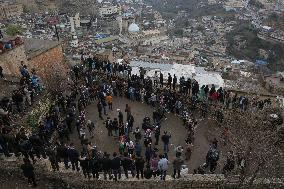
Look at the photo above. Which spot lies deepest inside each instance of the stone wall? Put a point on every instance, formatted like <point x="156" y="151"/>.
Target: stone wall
<point x="11" y="60"/>
<point x="48" y="62"/>
<point x="45" y="63"/>
<point x="72" y="180"/>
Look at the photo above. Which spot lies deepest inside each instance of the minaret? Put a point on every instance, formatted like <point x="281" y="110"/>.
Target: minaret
<point x="72" y="25"/>
<point x="119" y="20"/>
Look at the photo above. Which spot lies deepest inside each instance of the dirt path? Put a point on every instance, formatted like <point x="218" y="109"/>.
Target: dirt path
<point x="173" y="125"/>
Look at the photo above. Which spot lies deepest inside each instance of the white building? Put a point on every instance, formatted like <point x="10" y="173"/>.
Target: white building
<point x="188" y="71"/>
<point x="75" y="42"/>
<point x="77" y="20"/>
<point x="235" y="4"/>
<point x="133" y="28"/>
<point x="75" y="23"/>
<point x="106" y="11"/>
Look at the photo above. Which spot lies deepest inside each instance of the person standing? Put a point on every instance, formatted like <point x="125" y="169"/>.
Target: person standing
<point x="166" y="140"/>
<point x="1" y="72"/>
<point x="174" y="82"/>
<point x="115" y="127"/>
<point x="177" y="164"/>
<point x="109" y="101"/>
<point x="127" y="110"/>
<point x="106" y="166"/>
<point x="138" y="148"/>
<point x="126" y="163"/>
<point x="137" y="134"/>
<point x="51" y="153"/>
<point x="120" y="116"/>
<point x="212" y="157"/>
<point x="139" y="163"/>
<point x="170" y="79"/>
<point x="230" y="163"/>
<point x="115" y="165"/>
<point x="148" y="173"/>
<point x="85" y="165"/>
<point x="62" y="153"/>
<point x="1" y="35"/>
<point x="100" y="109"/>
<point x="91" y="128"/>
<point x="163" y="166"/>
<point x="188" y="150"/>
<point x="28" y="171"/>
<point x="157" y="134"/>
<point x="154" y="165"/>
<point x="95" y="165"/>
<point x="73" y="155"/>
<point x="161" y="79"/>
<point x="109" y="126"/>
<point x="130" y="121"/>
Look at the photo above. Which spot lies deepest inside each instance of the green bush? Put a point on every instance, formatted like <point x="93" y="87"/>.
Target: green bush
<point x="14" y="29"/>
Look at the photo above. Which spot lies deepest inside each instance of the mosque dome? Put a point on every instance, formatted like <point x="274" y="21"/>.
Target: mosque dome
<point x="133" y="28"/>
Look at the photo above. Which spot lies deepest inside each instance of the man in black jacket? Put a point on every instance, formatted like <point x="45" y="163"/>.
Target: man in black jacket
<point x="161" y="79"/>
<point x="130" y="121"/>
<point x="106" y="165"/>
<point x="28" y="171"/>
<point x="174" y="82"/>
<point x="62" y="153"/>
<point x="100" y="109"/>
<point x="127" y="165"/>
<point x="170" y="79"/>
<point x="115" y="165"/>
<point x="166" y="140"/>
<point x="157" y="134"/>
<point x="73" y="155"/>
<point x="109" y="126"/>
<point x="95" y="163"/>
<point x="85" y="165"/>
<point x="38" y="146"/>
<point x="139" y="163"/>
<point x="148" y="173"/>
<point x="52" y="156"/>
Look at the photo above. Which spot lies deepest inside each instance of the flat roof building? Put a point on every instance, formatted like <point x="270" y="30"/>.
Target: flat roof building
<point x="8" y="10"/>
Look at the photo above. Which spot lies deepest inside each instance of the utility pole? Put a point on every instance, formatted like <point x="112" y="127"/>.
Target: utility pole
<point x="56" y="33"/>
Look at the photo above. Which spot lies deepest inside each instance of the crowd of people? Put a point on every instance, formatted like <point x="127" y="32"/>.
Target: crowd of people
<point x="96" y="81"/>
<point x="22" y="97"/>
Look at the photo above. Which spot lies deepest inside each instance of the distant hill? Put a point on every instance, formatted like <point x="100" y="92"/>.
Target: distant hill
<point x="194" y="8"/>
<point x="84" y="7"/>
<point x="243" y="43"/>
<point x="275" y="21"/>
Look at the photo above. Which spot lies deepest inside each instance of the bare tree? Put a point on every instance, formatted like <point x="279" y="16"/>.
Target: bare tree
<point x="58" y="79"/>
<point x="255" y="139"/>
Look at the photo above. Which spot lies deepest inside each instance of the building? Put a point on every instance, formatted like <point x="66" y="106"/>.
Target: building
<point x="107" y="11"/>
<point x="44" y="56"/>
<point x="146" y="37"/>
<point x="188" y="71"/>
<point x="8" y="10"/>
<point x="235" y="4"/>
<point x="133" y="28"/>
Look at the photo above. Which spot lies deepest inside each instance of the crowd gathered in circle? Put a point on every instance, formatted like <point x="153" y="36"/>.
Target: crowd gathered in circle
<point x="96" y="81"/>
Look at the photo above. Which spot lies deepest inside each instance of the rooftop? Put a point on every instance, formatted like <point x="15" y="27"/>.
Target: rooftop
<point x="35" y="47"/>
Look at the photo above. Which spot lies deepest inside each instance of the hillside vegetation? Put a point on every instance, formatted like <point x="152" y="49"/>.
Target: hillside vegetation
<point x="243" y="43"/>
